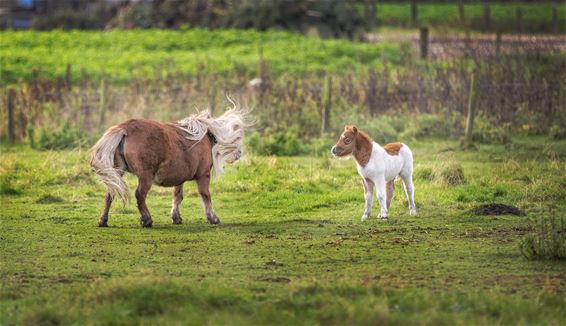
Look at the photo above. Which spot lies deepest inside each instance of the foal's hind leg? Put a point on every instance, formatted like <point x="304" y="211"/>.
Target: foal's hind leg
<point x="103" y="220"/>
<point x="410" y="191"/>
<point x="177" y="199"/>
<point x="389" y="191"/>
<point x="144" y="184"/>
<point x="203" y="189"/>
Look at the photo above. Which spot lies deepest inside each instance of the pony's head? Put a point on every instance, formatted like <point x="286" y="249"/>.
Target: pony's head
<point x="346" y="143"/>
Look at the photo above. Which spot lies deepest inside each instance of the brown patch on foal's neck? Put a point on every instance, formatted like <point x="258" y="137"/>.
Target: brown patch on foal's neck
<point x="393" y="148"/>
<point x="362" y="151"/>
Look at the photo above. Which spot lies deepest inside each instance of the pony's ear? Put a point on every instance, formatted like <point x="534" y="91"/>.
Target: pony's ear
<point x="354" y="129"/>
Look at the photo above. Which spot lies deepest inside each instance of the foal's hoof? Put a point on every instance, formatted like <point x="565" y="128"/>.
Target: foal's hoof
<point x="383" y="217"/>
<point x="102" y="224"/>
<point x="413" y="212"/>
<point x="214" y="220"/>
<point x="179" y="221"/>
<point x="365" y="218"/>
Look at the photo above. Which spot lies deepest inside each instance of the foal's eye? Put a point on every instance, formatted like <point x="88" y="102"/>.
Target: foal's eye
<point x="347" y="140"/>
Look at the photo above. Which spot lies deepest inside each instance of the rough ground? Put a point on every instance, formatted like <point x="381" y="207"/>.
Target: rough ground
<point x="291" y="249"/>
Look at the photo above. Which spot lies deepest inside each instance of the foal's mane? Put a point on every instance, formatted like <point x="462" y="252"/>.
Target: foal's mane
<point x="228" y="130"/>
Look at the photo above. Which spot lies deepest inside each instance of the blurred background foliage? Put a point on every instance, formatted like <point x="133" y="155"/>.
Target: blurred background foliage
<point x="303" y="67"/>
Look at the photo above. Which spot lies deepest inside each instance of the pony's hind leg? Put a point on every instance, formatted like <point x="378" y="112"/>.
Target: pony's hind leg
<point x="103" y="220"/>
<point x="203" y="189"/>
<point x="177" y="199"/>
<point x="144" y="184"/>
<point x="410" y="191"/>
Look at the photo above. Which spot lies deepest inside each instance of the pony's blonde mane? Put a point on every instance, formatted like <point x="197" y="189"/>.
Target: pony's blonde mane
<point x="228" y="130"/>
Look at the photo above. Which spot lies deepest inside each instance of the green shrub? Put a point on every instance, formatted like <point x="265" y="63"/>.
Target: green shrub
<point x="424" y="173"/>
<point x="429" y="125"/>
<point x="486" y="132"/>
<point x="557" y="132"/>
<point x="66" y="136"/>
<point x="280" y="143"/>
<point x="548" y="241"/>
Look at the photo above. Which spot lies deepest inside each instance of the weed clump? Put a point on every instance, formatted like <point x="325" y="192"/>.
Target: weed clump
<point x="447" y="171"/>
<point x="7" y="188"/>
<point x="48" y="199"/>
<point x="548" y="241"/>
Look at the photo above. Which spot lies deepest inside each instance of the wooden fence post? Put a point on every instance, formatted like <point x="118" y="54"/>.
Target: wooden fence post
<point x="212" y="96"/>
<point x="487" y="16"/>
<point x="519" y="15"/>
<point x="68" y="79"/>
<point x="461" y="11"/>
<point x="102" y="102"/>
<point x="424" y="42"/>
<point x="414" y="13"/>
<point x="555" y="17"/>
<point x="325" y="116"/>
<point x="470" y="118"/>
<point x="370" y="13"/>
<point x="10" y="106"/>
<point x="498" y="44"/>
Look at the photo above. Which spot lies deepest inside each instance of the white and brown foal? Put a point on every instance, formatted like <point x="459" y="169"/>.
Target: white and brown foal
<point x="378" y="166"/>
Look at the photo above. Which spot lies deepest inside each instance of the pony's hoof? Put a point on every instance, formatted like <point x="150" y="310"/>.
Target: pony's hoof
<point x="102" y="224"/>
<point x="413" y="212"/>
<point x="382" y="216"/>
<point x="214" y="220"/>
<point x="178" y="221"/>
<point x="146" y="223"/>
<point x="365" y="218"/>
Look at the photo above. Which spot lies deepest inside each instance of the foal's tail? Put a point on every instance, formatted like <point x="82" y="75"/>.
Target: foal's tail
<point x="102" y="160"/>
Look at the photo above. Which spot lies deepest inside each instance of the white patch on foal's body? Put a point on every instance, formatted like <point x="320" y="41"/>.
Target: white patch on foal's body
<point x="381" y="168"/>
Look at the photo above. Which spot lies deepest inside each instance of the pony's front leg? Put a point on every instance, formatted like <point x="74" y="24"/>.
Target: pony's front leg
<point x="380" y="189"/>
<point x="177" y="199"/>
<point x="368" y="195"/>
<point x="203" y="189"/>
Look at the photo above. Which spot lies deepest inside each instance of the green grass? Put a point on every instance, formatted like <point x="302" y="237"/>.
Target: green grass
<point x="537" y="17"/>
<point x="123" y="56"/>
<point x="291" y="249"/>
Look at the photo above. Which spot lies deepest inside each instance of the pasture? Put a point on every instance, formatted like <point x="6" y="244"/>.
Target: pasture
<point x="291" y="248"/>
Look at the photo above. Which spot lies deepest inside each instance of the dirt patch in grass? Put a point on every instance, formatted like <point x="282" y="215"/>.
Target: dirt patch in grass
<point x="498" y="209"/>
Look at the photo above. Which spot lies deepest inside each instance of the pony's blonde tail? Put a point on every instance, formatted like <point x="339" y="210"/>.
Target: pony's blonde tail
<point x="102" y="156"/>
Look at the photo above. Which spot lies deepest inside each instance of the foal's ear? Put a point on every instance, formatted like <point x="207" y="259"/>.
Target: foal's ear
<point x="354" y="129"/>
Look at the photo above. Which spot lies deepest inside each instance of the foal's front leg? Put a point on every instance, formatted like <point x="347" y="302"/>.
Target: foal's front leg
<point x="177" y="199"/>
<point x="203" y="189"/>
<point x="381" y="195"/>
<point x="368" y="195"/>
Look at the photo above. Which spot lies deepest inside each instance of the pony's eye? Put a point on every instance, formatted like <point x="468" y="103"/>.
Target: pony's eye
<point x="347" y="140"/>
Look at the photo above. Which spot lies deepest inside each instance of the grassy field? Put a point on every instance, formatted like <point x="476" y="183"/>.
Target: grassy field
<point x="537" y="17"/>
<point x="291" y="249"/>
<point x="122" y="56"/>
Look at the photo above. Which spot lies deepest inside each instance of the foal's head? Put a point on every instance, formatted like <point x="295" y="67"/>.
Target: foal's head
<point x="347" y="142"/>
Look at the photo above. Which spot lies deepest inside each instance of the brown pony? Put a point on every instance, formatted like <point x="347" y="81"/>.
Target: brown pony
<point x="167" y="154"/>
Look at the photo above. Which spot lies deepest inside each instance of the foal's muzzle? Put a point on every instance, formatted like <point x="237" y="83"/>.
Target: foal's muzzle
<point x="335" y="151"/>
